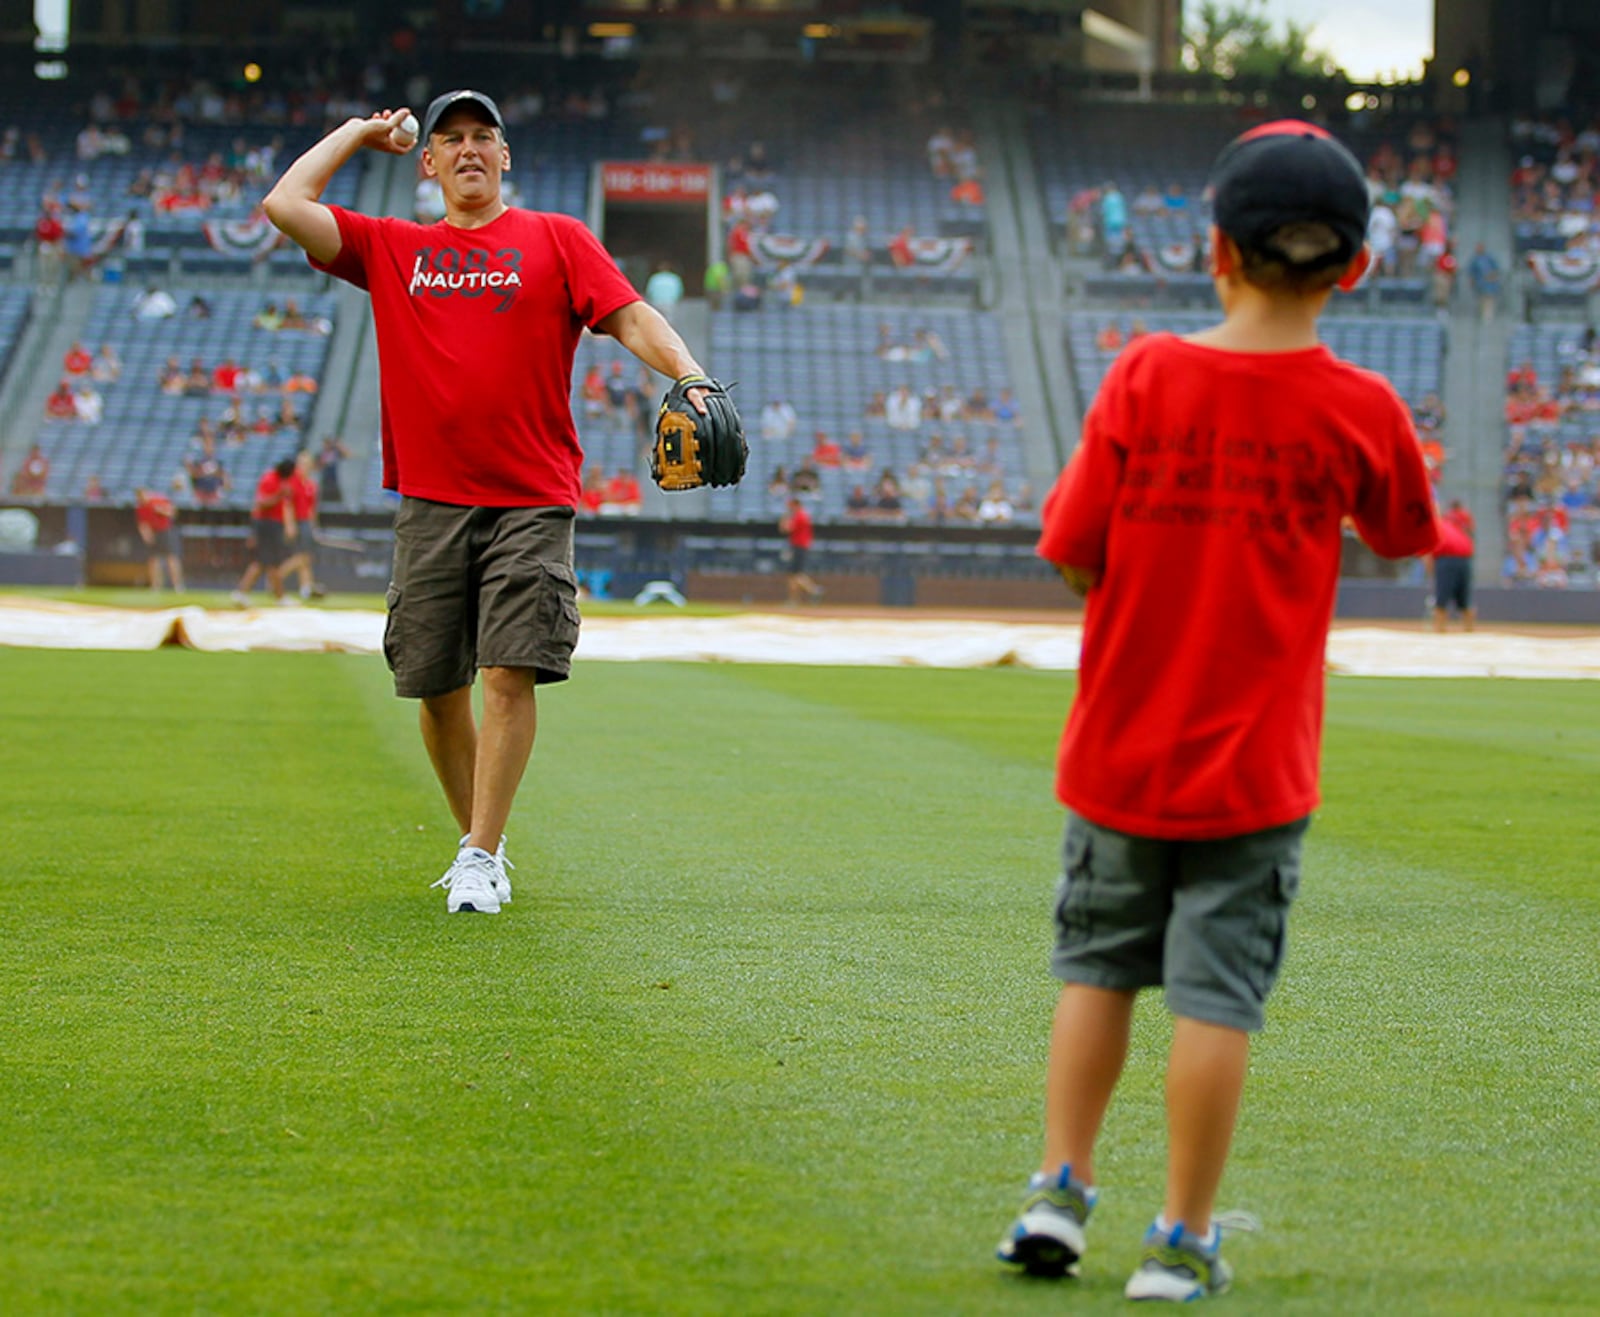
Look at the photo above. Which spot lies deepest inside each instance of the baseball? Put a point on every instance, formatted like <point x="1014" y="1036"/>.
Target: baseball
<point x="404" y="133"/>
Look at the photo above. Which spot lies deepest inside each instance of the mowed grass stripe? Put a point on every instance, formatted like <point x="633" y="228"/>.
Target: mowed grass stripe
<point x="763" y="1032"/>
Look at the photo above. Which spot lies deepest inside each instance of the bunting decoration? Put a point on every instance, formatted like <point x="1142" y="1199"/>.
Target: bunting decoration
<point x="940" y="255"/>
<point x="1174" y="257"/>
<point x="1576" y="271"/>
<point x="254" y="237"/>
<point x="771" y="250"/>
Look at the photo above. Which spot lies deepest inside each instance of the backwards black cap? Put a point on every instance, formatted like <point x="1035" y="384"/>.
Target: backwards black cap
<point x="1290" y="172"/>
<point x="450" y="100"/>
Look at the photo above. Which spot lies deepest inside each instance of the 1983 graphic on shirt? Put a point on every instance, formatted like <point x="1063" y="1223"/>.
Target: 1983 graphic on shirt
<point x="452" y="272"/>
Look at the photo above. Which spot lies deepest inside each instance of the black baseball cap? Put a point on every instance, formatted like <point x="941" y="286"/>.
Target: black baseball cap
<point x="1290" y="172"/>
<point x="450" y="100"/>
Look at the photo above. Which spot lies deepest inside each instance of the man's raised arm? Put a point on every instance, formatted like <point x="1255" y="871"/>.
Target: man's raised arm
<point x="294" y="205"/>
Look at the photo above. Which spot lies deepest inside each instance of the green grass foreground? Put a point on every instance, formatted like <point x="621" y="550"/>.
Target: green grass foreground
<point x="764" y="1029"/>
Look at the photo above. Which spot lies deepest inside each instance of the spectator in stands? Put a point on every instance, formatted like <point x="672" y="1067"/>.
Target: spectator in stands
<point x="592" y="390"/>
<point x="825" y="452"/>
<point x="94" y="490"/>
<point x="940" y="145"/>
<point x="1110" y="338"/>
<point x="996" y="509"/>
<point x="664" y="289"/>
<point x="33" y="475"/>
<point x="778" y="484"/>
<point x="949" y="404"/>
<point x="1113" y="221"/>
<point x="904" y="409"/>
<point x="288" y="418"/>
<point x="785" y="286"/>
<point x="877" y="407"/>
<point x="300" y="382"/>
<point x="1006" y="409"/>
<point x="209" y="482"/>
<point x="886" y="493"/>
<point x="968" y="193"/>
<point x="330" y="457"/>
<point x="856" y="455"/>
<point x="1383" y="231"/>
<point x="197" y="384"/>
<point x="778" y="420"/>
<point x="225" y="378"/>
<point x="592" y="496"/>
<point x="78" y="360"/>
<point x="762" y="209"/>
<point x="107" y="367"/>
<point x="59" y="405"/>
<point x="1484" y="273"/>
<point x="49" y="236"/>
<point x="858" y="250"/>
<point x="87" y="403"/>
<point x="977" y="406"/>
<point x="968" y="506"/>
<point x="154" y="304"/>
<point x="741" y="253"/>
<point x="1149" y="201"/>
<point x="156" y="519"/>
<point x="718" y="280"/>
<point x="1175" y="199"/>
<point x="1130" y="260"/>
<point x="623" y="493"/>
<point x="858" y="503"/>
<point x="199" y="308"/>
<point x="78" y="240"/>
<point x="295" y="320"/>
<point x="268" y="318"/>
<point x="1024" y="501"/>
<point x="989" y="461"/>
<point x="901" y="253"/>
<point x="806" y="480"/>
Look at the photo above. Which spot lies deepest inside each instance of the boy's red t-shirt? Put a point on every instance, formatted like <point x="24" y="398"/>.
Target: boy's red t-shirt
<point x="272" y="497"/>
<point x="477" y="329"/>
<point x="154" y="512"/>
<point x="1208" y="492"/>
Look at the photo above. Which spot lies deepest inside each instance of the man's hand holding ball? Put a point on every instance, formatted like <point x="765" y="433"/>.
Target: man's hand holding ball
<point x="403" y="135"/>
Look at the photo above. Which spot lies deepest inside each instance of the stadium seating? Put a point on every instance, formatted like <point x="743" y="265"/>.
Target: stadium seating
<point x="145" y="433"/>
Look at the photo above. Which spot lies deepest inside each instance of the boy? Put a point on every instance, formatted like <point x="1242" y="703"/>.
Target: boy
<point x="1201" y="517"/>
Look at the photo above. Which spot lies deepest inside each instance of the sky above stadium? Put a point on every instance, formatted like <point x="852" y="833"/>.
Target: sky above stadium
<point x="1371" y="39"/>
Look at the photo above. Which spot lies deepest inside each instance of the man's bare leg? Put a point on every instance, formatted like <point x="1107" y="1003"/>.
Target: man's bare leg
<point x="451" y="736"/>
<point x="175" y="572"/>
<point x="505" y="742"/>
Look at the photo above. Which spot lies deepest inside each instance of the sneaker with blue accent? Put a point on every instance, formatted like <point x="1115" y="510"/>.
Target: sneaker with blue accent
<point x="1179" y="1266"/>
<point x="469" y="883"/>
<point x="502" y="881"/>
<point x="1047" y="1238"/>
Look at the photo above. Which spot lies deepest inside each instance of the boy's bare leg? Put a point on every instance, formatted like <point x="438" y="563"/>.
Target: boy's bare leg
<point x="1205" y="1081"/>
<point x="1088" y="1045"/>
<point x="175" y="572"/>
<point x="451" y="736"/>
<point x="505" y="742"/>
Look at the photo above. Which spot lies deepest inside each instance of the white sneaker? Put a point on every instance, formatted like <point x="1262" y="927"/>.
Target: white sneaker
<point x="240" y="597"/>
<point x="502" y="884"/>
<point x="469" y="883"/>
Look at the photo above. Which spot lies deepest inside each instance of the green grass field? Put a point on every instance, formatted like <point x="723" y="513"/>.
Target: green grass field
<point x="764" y="1029"/>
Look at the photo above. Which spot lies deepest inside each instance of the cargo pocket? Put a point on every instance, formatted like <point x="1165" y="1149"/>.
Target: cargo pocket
<point x="391" y="647"/>
<point x="1075" y="892"/>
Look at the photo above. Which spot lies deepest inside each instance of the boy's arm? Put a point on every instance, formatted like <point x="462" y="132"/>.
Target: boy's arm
<point x="1076" y="517"/>
<point x="294" y="205"/>
<point x="1394" y="510"/>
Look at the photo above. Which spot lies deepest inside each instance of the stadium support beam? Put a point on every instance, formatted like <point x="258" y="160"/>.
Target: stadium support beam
<point x="1119" y="36"/>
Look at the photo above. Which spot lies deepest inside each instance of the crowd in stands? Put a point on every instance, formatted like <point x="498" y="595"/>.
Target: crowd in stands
<point x="1552" y="468"/>
<point x="1554" y="180"/>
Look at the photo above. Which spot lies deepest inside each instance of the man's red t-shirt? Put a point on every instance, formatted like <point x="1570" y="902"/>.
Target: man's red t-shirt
<point x="800" y="530"/>
<point x="1208" y="491"/>
<point x="271" y="498"/>
<point x="477" y="329"/>
<point x="303" y="493"/>
<point x="154" y="513"/>
<point x="1454" y="542"/>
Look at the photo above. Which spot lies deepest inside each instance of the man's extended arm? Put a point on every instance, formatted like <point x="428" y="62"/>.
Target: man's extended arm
<point x="294" y="205"/>
<point x="645" y="332"/>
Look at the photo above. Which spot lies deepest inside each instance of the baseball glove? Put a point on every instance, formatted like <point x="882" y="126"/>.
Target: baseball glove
<point x="693" y="450"/>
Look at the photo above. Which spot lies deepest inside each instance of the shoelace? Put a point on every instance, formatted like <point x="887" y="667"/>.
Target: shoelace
<point x="448" y="881"/>
<point x="1237" y="1222"/>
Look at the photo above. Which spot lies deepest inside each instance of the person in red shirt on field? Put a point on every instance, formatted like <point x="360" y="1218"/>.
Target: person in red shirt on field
<point x="478" y="318"/>
<point x="303" y="497"/>
<point x="1200" y="514"/>
<point x="796" y="526"/>
<point x="272" y="530"/>
<point x="157" y="521"/>
<point x="1451" y="564"/>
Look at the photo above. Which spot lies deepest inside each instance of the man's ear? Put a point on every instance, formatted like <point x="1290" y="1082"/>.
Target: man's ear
<point x="428" y="168"/>
<point x="1357" y="270"/>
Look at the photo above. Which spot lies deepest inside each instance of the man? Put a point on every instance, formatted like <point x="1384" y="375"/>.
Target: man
<point x="272" y="530"/>
<point x="157" y="521"/>
<point x="477" y="318"/>
<point x="303" y="495"/>
<point x="664" y="289"/>
<point x="797" y="528"/>
<point x="1484" y="271"/>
